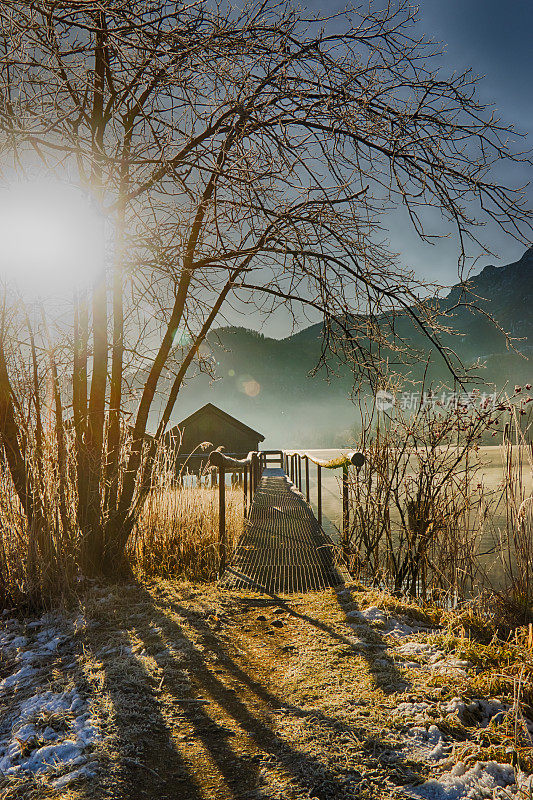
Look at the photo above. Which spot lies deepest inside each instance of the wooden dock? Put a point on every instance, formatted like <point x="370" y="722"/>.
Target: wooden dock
<point x="283" y="549"/>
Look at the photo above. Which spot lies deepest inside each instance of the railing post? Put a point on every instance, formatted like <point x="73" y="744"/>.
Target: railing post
<point x="345" y="513"/>
<point x="299" y="472"/>
<point x="307" y="495"/>
<point x="245" y="487"/>
<point x="222" y="519"/>
<point x="319" y="492"/>
<point x="255" y="474"/>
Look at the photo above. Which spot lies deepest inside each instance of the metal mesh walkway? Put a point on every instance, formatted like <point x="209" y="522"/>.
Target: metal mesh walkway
<point x="283" y="549"/>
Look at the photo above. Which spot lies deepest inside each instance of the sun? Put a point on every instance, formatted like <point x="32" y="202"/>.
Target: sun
<point x="51" y="238"/>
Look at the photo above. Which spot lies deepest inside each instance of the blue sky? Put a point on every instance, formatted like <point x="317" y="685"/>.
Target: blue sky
<point x="493" y="39"/>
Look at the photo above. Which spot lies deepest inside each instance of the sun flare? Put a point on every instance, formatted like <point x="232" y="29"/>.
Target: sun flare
<point x="51" y="239"/>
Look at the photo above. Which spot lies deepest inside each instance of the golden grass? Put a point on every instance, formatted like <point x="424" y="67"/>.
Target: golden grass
<point x="177" y="533"/>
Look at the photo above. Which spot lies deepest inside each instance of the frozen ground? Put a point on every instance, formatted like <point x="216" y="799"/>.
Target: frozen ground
<point x="424" y="741"/>
<point x="46" y="728"/>
<point x="163" y="658"/>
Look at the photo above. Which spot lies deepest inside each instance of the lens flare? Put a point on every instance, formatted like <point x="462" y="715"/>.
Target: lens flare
<point x="250" y="387"/>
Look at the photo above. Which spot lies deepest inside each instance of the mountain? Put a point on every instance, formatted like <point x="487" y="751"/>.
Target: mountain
<point x="267" y="384"/>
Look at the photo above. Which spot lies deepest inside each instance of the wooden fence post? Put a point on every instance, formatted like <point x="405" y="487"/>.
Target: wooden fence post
<point x="345" y="513"/>
<point x="307" y="494"/>
<point x="222" y="519"/>
<point x="245" y="487"/>
<point x="319" y="492"/>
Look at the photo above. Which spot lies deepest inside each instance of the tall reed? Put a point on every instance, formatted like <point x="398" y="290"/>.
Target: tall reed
<point x="516" y="535"/>
<point x="176" y="533"/>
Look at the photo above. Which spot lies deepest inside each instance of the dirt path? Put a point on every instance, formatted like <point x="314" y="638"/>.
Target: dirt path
<point x="211" y="695"/>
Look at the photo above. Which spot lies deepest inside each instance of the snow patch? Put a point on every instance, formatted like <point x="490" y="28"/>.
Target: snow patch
<point x="412" y="710"/>
<point x="430" y="659"/>
<point x="41" y="731"/>
<point x="47" y="730"/>
<point x="426" y="744"/>
<point x="483" y="781"/>
<point x="392" y="626"/>
<point x="71" y="777"/>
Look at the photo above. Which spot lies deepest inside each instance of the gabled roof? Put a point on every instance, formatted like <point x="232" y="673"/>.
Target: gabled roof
<point x="209" y="408"/>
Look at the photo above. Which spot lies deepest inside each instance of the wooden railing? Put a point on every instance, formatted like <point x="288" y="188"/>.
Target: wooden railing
<point x="252" y="468"/>
<point x="293" y="467"/>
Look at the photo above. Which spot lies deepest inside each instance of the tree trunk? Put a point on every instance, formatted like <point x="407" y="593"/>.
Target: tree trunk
<point x="115" y="397"/>
<point x="92" y="547"/>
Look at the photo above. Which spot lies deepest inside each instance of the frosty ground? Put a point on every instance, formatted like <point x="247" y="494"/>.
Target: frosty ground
<point x="175" y="690"/>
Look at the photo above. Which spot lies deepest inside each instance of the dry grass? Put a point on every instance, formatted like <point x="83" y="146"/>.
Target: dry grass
<point x="211" y="694"/>
<point x="38" y="560"/>
<point x="177" y="533"/>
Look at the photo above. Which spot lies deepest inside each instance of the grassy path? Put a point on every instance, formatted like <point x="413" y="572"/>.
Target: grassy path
<point x="203" y="693"/>
<point x="230" y="695"/>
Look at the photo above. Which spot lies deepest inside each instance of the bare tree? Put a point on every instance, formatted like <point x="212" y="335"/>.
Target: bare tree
<point x="246" y="155"/>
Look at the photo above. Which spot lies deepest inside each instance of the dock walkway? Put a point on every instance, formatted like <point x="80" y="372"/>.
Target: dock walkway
<point x="283" y="549"/>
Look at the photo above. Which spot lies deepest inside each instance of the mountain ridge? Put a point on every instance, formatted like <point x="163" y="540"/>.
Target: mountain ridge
<point x="266" y="382"/>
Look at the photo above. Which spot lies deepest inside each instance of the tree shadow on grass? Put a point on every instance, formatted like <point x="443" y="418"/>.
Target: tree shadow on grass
<point x="245" y="709"/>
<point x="382" y="667"/>
<point x="144" y="762"/>
<point x="384" y="671"/>
<point x="214" y="728"/>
